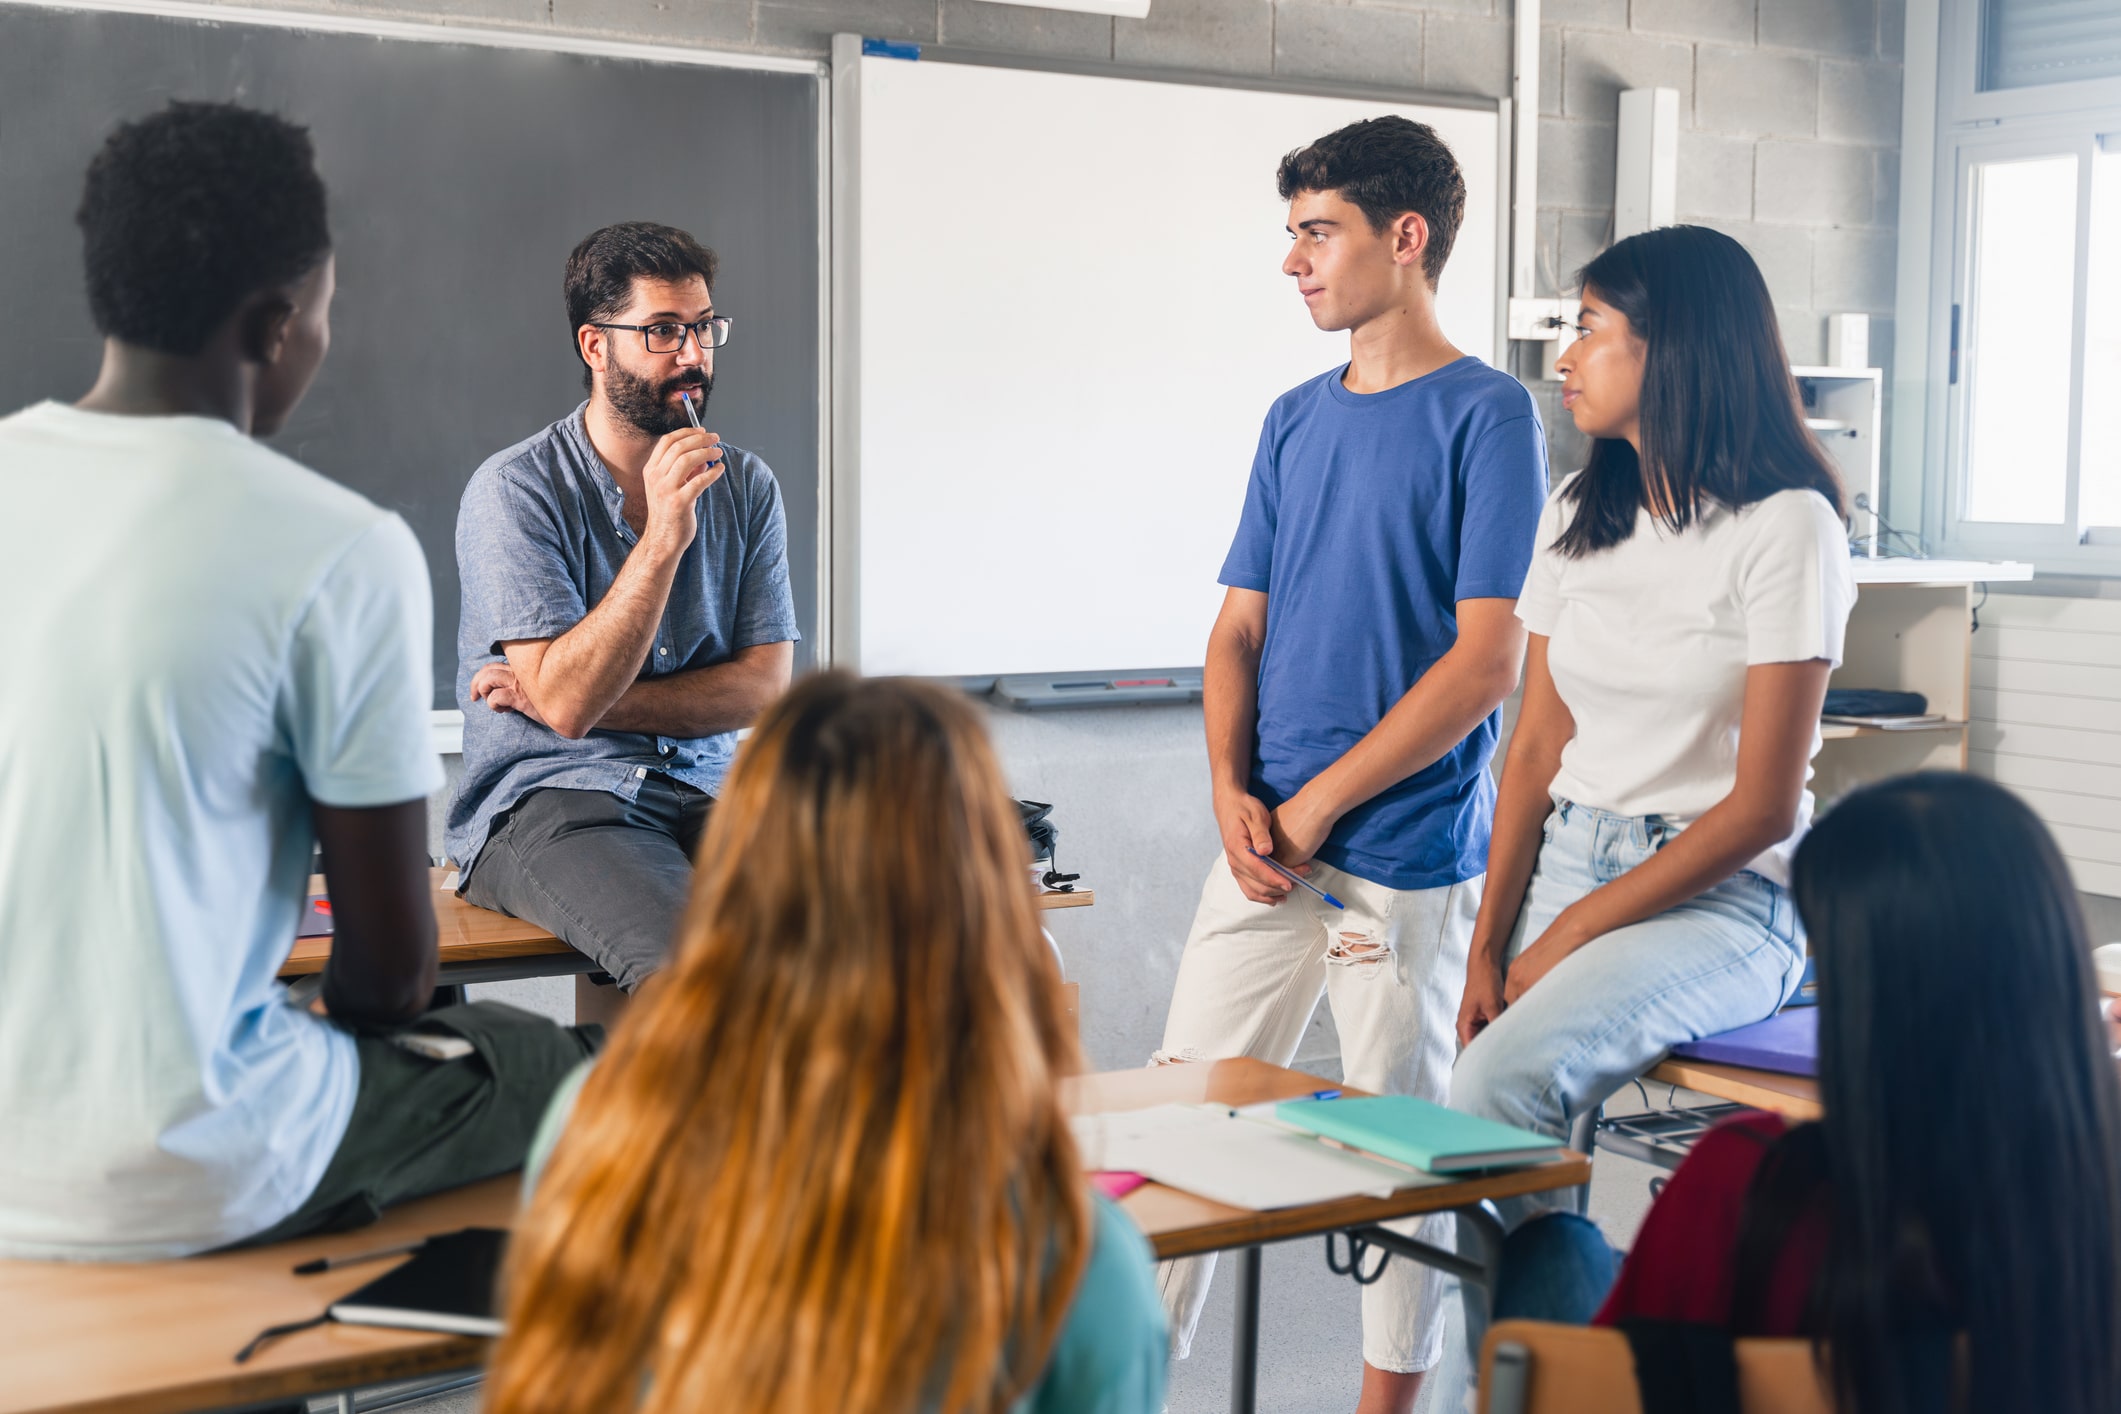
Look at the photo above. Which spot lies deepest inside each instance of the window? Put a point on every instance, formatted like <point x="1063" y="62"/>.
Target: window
<point x="2022" y="444"/>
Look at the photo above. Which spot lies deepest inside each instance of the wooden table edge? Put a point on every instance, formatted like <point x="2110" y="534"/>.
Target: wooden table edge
<point x="242" y="1388"/>
<point x="1760" y="1089"/>
<point x="1250" y="1227"/>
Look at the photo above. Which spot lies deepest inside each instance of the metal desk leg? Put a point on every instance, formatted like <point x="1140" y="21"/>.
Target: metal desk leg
<point x="1480" y="1234"/>
<point x="1244" y="1342"/>
<point x="346" y="1402"/>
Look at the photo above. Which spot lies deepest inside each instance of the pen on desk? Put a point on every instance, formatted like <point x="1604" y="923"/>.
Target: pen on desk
<point x="1295" y="878"/>
<point x="328" y="1264"/>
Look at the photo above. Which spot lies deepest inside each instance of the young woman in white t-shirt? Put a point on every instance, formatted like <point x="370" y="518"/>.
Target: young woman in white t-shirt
<point x="1686" y="601"/>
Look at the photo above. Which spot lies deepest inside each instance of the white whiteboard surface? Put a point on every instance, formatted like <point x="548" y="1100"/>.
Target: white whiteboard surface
<point x="1067" y="320"/>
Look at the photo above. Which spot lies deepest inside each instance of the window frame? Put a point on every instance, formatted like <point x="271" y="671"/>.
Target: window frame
<point x="1957" y="127"/>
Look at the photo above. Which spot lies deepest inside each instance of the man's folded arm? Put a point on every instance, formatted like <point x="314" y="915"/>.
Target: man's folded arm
<point x="699" y="702"/>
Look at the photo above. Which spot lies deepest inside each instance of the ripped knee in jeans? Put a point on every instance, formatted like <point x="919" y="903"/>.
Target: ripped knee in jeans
<point x="1357" y="950"/>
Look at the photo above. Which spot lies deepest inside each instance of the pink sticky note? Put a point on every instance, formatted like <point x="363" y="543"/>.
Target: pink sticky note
<point x="1116" y="1185"/>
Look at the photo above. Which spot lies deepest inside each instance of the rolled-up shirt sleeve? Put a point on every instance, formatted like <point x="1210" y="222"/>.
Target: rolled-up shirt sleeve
<point x="518" y="580"/>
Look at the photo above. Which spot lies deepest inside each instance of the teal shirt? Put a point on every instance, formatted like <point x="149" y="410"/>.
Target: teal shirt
<point x="1110" y="1355"/>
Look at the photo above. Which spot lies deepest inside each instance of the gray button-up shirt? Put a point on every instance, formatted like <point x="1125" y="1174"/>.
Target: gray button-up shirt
<point x="541" y="535"/>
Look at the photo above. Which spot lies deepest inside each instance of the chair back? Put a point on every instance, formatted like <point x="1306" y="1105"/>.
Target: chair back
<point x="1532" y="1367"/>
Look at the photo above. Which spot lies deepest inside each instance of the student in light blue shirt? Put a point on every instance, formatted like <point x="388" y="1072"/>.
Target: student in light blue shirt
<point x="825" y="1164"/>
<point x="1354" y="677"/>
<point x="214" y="658"/>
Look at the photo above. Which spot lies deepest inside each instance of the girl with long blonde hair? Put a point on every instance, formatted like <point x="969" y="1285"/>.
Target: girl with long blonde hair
<point x="824" y="1163"/>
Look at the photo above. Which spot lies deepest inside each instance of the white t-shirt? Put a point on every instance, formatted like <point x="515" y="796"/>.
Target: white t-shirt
<point x="199" y="637"/>
<point x="1649" y="641"/>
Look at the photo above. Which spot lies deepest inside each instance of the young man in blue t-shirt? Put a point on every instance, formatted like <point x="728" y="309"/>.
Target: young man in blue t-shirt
<point x="1354" y="677"/>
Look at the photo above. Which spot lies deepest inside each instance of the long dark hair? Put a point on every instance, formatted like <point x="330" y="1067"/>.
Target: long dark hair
<point x="1971" y="1144"/>
<point x="1720" y="416"/>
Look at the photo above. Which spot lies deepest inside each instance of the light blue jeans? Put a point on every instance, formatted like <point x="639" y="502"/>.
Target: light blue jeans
<point x="1727" y="957"/>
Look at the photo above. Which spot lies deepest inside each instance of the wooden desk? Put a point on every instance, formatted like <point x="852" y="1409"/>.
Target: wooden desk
<point x="160" y="1338"/>
<point x="101" y="1338"/>
<point x="1181" y="1224"/>
<point x="1794" y="1097"/>
<point x="479" y="945"/>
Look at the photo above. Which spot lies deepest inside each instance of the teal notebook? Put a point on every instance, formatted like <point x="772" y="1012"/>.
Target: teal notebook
<point x="1415" y="1132"/>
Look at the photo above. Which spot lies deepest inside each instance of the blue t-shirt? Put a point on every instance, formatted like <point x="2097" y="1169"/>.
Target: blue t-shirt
<point x="1368" y="517"/>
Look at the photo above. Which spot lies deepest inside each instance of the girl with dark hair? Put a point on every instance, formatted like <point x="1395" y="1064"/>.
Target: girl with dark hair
<point x="1687" y="599"/>
<point x="1966" y="1178"/>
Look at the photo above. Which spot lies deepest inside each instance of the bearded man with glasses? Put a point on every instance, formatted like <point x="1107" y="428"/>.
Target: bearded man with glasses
<point x="625" y="610"/>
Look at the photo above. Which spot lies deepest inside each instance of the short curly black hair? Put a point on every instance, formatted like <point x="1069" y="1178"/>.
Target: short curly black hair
<point x="602" y="269"/>
<point x="190" y="211"/>
<point x="1387" y="166"/>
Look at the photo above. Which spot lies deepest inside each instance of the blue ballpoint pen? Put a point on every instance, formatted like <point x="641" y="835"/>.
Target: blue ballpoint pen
<point x="1295" y="878"/>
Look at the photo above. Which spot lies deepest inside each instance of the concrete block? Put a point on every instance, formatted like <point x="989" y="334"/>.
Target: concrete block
<point x="1715" y="176"/>
<point x="1585" y="14"/>
<point x="1887" y="208"/>
<point x="1853" y="270"/>
<point x="1467" y="54"/>
<point x="1803" y="334"/>
<point x="1583" y="235"/>
<point x="1784" y="255"/>
<point x="1729" y="20"/>
<point x="1892" y="29"/>
<point x="1463" y="7"/>
<point x="1818" y="183"/>
<point x="1018" y="29"/>
<point x="1859" y="101"/>
<point x="1223" y="36"/>
<point x="1546" y="256"/>
<point x="1576" y="164"/>
<point x="1763" y="95"/>
<point x="787" y="26"/>
<point x="1820" y="26"/>
<point x="1325" y="40"/>
<point x="718" y="23"/>
<point x="1550" y="47"/>
<point x="1595" y="66"/>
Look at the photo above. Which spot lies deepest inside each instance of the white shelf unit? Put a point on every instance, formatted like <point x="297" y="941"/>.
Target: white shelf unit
<point x="1911" y="631"/>
<point x="1844" y="407"/>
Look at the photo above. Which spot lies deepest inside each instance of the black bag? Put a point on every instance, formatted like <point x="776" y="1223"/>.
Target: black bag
<point x="1045" y="845"/>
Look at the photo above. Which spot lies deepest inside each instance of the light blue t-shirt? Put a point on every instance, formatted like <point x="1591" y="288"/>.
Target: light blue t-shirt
<point x="541" y="535"/>
<point x="1368" y="517"/>
<point x="201" y="637"/>
<point x="1110" y="1356"/>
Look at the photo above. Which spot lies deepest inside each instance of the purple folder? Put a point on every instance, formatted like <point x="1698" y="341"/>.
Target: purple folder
<point x="316" y="922"/>
<point x="1787" y="1042"/>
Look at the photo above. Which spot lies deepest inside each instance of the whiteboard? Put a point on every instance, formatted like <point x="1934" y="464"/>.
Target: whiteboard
<point x="1060" y="322"/>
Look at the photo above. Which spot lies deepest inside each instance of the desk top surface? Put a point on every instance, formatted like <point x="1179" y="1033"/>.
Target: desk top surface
<point x="1181" y="1224"/>
<point x="467" y="933"/>
<point x="100" y="1338"/>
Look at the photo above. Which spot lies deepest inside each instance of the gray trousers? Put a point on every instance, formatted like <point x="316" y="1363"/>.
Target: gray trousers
<point x="420" y="1126"/>
<point x="607" y="875"/>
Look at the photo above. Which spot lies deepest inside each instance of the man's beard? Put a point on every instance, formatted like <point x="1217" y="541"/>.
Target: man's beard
<point x="646" y="403"/>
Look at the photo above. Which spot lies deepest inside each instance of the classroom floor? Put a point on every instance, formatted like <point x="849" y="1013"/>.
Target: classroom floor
<point x="1310" y="1336"/>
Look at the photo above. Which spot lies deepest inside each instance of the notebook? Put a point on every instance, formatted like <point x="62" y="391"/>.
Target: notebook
<point x="316" y="918"/>
<point x="448" y="1285"/>
<point x="1427" y="1136"/>
<point x="1236" y="1159"/>
<point x="1787" y="1042"/>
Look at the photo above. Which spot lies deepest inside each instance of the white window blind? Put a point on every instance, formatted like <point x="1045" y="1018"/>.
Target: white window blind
<point x="2029" y="43"/>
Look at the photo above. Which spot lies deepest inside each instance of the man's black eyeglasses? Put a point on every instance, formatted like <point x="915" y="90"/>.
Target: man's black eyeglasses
<point x="712" y="332"/>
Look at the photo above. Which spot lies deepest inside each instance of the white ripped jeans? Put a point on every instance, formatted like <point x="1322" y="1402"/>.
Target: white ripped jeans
<point x="1393" y="967"/>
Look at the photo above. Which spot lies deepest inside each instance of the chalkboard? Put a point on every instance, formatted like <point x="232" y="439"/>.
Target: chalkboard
<point x="460" y="177"/>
